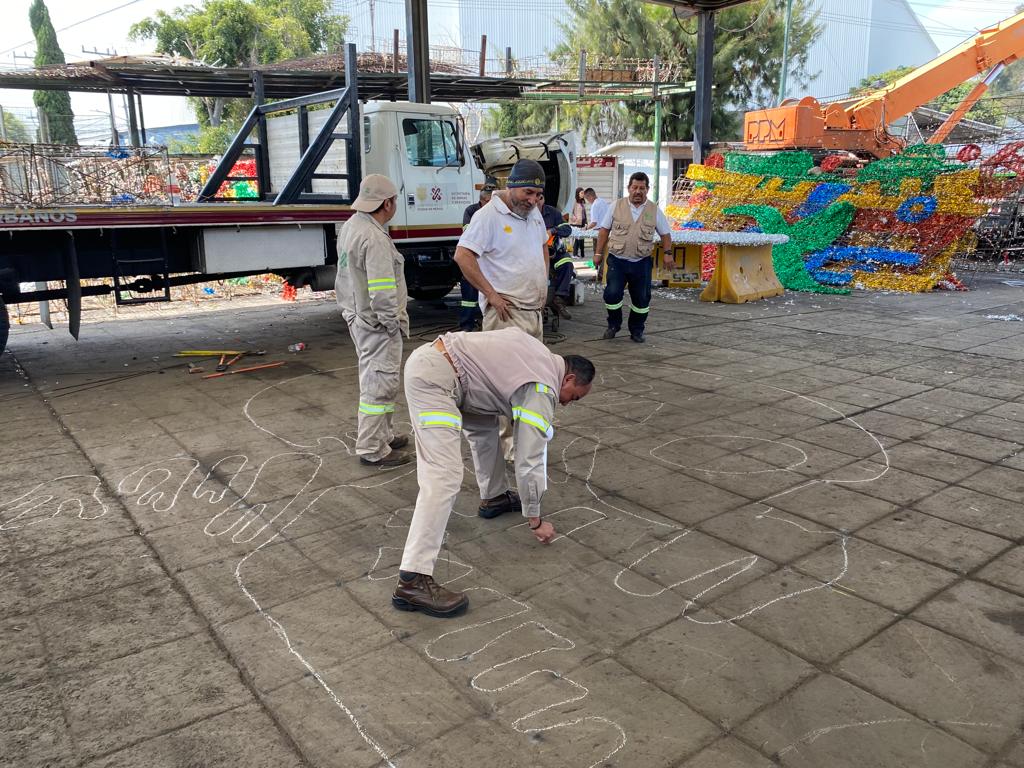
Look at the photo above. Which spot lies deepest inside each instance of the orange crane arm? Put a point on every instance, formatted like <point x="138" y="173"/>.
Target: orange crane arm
<point x="1001" y="44"/>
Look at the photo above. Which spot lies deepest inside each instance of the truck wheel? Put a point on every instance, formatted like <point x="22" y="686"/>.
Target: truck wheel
<point x="5" y="325"/>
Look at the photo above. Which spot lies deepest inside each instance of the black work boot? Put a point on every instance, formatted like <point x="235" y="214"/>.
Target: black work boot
<point x="499" y="505"/>
<point x="609" y="333"/>
<point x="422" y="593"/>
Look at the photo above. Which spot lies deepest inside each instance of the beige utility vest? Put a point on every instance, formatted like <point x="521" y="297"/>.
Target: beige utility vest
<point x="632" y="240"/>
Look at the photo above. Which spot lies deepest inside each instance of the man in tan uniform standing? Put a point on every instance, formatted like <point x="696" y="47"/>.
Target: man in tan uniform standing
<point x="504" y="254"/>
<point x="628" y="229"/>
<point x="371" y="292"/>
<point x="462" y="383"/>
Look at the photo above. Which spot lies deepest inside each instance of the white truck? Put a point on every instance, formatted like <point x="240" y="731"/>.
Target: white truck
<point x="310" y="154"/>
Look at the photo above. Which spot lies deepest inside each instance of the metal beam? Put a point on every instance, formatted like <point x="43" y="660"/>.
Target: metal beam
<point x="702" y="100"/>
<point x="133" y="120"/>
<point x="417" y="46"/>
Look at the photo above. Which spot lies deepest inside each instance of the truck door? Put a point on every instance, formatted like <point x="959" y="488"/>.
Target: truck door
<point x="556" y="152"/>
<point x="438" y="179"/>
<point x="381" y="153"/>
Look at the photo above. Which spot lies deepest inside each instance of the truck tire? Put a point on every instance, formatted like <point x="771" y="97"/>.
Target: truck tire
<point x="5" y="325"/>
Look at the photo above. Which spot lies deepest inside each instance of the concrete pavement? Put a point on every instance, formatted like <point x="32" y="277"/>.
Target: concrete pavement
<point x="792" y="536"/>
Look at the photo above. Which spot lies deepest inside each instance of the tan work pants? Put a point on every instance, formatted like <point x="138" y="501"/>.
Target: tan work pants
<point x="380" y="359"/>
<point x="434" y="395"/>
<point x="531" y="321"/>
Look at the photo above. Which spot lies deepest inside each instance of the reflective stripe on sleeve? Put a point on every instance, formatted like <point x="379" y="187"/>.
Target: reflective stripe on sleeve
<point x="543" y="389"/>
<point x="560" y="262"/>
<point x="533" y="419"/>
<point x="376" y="409"/>
<point x="440" y="419"/>
<point x="468" y="304"/>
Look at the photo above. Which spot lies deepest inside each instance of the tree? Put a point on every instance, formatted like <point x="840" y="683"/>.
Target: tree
<point x="242" y="33"/>
<point x="55" y="105"/>
<point x="989" y="109"/>
<point x="747" y="62"/>
<point x="16" y="129"/>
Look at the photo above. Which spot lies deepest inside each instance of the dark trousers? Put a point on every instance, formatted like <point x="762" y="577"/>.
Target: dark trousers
<point x="635" y="275"/>
<point x="563" y="272"/>
<point x="579" y="248"/>
<point x="469" y="307"/>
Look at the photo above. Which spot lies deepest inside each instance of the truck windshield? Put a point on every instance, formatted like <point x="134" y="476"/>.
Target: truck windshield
<point x="431" y="143"/>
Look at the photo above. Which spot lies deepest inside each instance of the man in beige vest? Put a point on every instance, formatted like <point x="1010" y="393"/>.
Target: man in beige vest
<point x="370" y="289"/>
<point x="461" y="384"/>
<point x="627" y="231"/>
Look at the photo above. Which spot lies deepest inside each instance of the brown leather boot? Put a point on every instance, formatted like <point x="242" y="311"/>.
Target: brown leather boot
<point x="559" y="304"/>
<point x="422" y="593"/>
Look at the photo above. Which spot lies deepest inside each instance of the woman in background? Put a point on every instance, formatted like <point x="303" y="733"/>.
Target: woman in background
<point x="578" y="218"/>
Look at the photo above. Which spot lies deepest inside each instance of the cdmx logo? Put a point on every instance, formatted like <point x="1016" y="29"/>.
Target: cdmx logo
<point x="766" y="131"/>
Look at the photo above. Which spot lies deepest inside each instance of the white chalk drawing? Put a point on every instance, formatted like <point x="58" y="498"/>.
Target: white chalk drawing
<point x="240" y="514"/>
<point x="155" y="485"/>
<point x="68" y="495"/>
<point x="556" y="643"/>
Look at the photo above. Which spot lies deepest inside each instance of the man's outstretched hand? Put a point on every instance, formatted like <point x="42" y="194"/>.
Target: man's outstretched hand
<point x="544" y="532"/>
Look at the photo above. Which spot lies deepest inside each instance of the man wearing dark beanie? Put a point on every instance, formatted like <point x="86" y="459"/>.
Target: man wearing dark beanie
<point x="504" y="255"/>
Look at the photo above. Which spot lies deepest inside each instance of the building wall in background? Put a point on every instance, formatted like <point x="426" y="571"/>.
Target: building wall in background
<point x="862" y="38"/>
<point x="529" y="28"/>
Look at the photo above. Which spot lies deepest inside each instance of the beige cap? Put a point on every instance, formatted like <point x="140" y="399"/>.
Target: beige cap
<point x="373" y="191"/>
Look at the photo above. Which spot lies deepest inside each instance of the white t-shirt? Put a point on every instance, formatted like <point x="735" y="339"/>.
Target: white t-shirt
<point x="511" y="253"/>
<point x="661" y="225"/>
<point x="598" y="209"/>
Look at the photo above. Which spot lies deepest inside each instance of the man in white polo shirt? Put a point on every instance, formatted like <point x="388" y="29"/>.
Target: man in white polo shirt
<point x="504" y="254"/>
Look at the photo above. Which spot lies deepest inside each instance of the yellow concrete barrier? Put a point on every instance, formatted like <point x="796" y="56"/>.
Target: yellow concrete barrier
<point x="743" y="273"/>
<point x="686" y="273"/>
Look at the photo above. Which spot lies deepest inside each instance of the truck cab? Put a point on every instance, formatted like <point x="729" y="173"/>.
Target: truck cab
<point x="423" y="149"/>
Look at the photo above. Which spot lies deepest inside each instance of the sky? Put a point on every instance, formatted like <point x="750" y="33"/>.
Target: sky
<point x="103" y="25"/>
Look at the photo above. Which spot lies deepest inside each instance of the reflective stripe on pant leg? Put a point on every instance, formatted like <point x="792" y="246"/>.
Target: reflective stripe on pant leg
<point x="640" y="295"/>
<point x="469" y="306"/>
<point x="613" y="292"/>
<point x="431" y="390"/>
<point x="380" y="357"/>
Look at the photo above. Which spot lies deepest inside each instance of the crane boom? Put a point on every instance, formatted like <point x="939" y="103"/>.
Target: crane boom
<point x="859" y="124"/>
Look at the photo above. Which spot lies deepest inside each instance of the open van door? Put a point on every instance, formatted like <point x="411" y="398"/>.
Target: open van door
<point x="556" y="152"/>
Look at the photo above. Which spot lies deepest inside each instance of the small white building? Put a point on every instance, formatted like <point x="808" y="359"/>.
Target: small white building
<point x="633" y="156"/>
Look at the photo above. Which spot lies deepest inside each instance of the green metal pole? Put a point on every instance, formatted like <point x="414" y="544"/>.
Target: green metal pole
<point x="657" y="148"/>
<point x="657" y="133"/>
<point x="785" y="51"/>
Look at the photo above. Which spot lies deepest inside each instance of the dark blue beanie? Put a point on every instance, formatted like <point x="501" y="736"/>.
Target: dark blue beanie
<point x="526" y="173"/>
